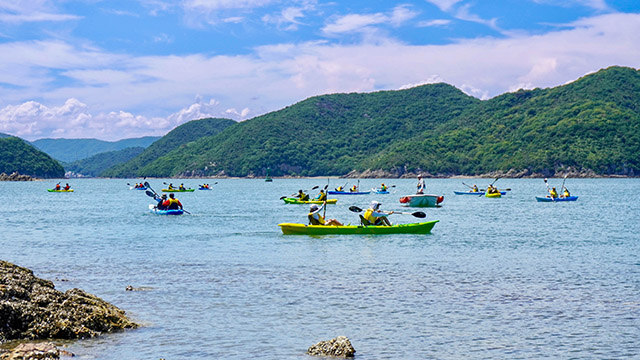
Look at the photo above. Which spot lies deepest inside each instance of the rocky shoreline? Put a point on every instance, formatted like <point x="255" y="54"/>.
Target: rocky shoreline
<point x="15" y="176"/>
<point x="32" y="309"/>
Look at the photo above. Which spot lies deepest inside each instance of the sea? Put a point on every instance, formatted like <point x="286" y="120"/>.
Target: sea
<point x="507" y="278"/>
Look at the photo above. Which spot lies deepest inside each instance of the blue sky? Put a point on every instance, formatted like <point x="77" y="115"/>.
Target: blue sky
<point x="117" y="69"/>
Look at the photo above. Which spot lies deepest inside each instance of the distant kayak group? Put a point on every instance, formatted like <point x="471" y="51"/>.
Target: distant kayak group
<point x="372" y="220"/>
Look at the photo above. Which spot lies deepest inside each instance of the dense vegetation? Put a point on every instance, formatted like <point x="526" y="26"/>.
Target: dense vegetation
<point x="17" y="155"/>
<point x="94" y="166"/>
<point x="177" y="138"/>
<point x="590" y="126"/>
<point x="69" y="150"/>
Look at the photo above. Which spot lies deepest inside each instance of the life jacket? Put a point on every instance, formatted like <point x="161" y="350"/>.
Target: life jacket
<point x="322" y="196"/>
<point x="181" y="187"/>
<point x="304" y="197"/>
<point x="314" y="221"/>
<point x="67" y="187"/>
<point x="566" y="193"/>
<point x="554" y="194"/>
<point x="368" y="215"/>
<point x="58" y="187"/>
<point x="171" y="204"/>
<point x="339" y="188"/>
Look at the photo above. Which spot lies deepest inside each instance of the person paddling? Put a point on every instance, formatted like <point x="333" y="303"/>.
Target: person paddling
<point x="316" y="219"/>
<point x="161" y="201"/>
<point x="565" y="193"/>
<point x="322" y="196"/>
<point x="421" y="186"/>
<point x="58" y="186"/>
<point x="374" y="216"/>
<point x="181" y="187"/>
<point x="67" y="187"/>
<point x="302" y="196"/>
<point x="553" y="193"/>
<point x="172" y="203"/>
<point x="475" y="188"/>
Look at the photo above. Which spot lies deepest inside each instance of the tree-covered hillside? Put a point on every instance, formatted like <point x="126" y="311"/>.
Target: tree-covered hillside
<point x="96" y="164"/>
<point x="590" y="126"/>
<point x="17" y="155"/>
<point x="69" y="150"/>
<point x="176" y="138"/>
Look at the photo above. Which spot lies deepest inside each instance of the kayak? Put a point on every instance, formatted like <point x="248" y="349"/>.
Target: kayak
<point x="494" y="195"/>
<point x="548" y="199"/>
<point x="477" y="193"/>
<point x="204" y="188"/>
<point x="177" y="190"/>
<point x="296" y="201"/>
<point x="378" y="191"/>
<point x="137" y="188"/>
<point x="332" y="192"/>
<point x="421" y="200"/>
<point x="54" y="190"/>
<point x="156" y="211"/>
<point x="302" y="229"/>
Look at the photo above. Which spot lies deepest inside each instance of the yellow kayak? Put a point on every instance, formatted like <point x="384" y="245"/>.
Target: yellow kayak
<point x="494" y="195"/>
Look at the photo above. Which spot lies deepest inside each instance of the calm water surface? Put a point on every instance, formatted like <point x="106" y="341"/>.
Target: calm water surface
<point x="505" y="278"/>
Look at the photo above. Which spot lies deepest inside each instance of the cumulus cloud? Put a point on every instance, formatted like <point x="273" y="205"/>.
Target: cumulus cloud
<point x="18" y="12"/>
<point x="365" y="22"/>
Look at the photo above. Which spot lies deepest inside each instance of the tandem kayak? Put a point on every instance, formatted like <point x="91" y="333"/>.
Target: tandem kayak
<point x="302" y="229"/>
<point x="156" y="211"/>
<point x="204" y="188"/>
<point x="477" y="193"/>
<point x="298" y="201"/>
<point x="548" y="199"/>
<point x="333" y="192"/>
<point x="422" y="200"/>
<point x="54" y="190"/>
<point x="137" y="188"/>
<point x="177" y="190"/>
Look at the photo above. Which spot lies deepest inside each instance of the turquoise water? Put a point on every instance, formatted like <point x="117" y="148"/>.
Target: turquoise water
<point x="497" y="278"/>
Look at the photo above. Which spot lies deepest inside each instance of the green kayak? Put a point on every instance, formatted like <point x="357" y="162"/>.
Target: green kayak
<point x="302" y="229"/>
<point x="297" y="201"/>
<point x="178" y="190"/>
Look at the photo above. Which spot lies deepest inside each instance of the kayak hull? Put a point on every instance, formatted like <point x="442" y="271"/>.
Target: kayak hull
<point x="546" y="199"/>
<point x="380" y="191"/>
<point x="156" y="211"/>
<point x="494" y="195"/>
<point x="479" y="193"/>
<point x="302" y="229"/>
<point x="54" y="190"/>
<point x="176" y="190"/>
<point x="332" y="192"/>
<point x="421" y="200"/>
<point x="204" y="189"/>
<point x="296" y="201"/>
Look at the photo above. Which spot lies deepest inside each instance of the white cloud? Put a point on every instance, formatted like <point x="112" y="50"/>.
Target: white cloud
<point x="436" y="22"/>
<point x="288" y="18"/>
<point x="444" y="5"/>
<point x="18" y="12"/>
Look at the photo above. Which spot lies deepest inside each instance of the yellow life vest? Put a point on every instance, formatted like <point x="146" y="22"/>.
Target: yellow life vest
<point x="314" y="221"/>
<point x="368" y="215"/>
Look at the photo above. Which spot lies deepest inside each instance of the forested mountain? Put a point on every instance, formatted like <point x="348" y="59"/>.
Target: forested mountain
<point x="176" y="138"/>
<point x="18" y="155"/>
<point x="94" y="166"/>
<point x="69" y="150"/>
<point x="591" y="126"/>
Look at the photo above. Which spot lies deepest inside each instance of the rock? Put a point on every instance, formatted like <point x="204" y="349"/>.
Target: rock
<point x="40" y="351"/>
<point x="338" y="347"/>
<point x="34" y="309"/>
<point x="15" y="176"/>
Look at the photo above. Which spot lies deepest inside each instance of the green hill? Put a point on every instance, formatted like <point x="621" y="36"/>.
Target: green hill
<point x="18" y="155"/>
<point x="69" y="150"/>
<point x="591" y="126"/>
<point x="176" y="138"/>
<point x="94" y="166"/>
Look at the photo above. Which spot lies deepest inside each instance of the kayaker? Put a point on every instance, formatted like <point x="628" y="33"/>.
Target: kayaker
<point x="475" y="188"/>
<point x="383" y="187"/>
<point x="553" y="193"/>
<point x="170" y="186"/>
<point x="339" y="188"/>
<point x="421" y="186"/>
<point x="302" y="196"/>
<point x="161" y="201"/>
<point x="172" y="203"/>
<point x="566" y="193"/>
<point x="181" y="187"/>
<point x="353" y="188"/>
<point x="491" y="189"/>
<point x="316" y="219"/>
<point x="58" y="186"/>
<point x="67" y="187"/>
<point x="376" y="217"/>
<point x="322" y="196"/>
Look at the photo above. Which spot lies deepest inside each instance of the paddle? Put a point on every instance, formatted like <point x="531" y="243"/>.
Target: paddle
<point x="565" y="179"/>
<point x="293" y="195"/>
<point x="418" y="214"/>
<point x="324" y="211"/>
<point x="146" y="184"/>
<point x="469" y="186"/>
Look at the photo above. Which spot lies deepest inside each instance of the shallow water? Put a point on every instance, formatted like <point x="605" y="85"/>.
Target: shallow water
<point x="497" y="278"/>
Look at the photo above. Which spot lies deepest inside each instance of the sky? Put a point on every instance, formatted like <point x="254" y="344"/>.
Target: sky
<point x="128" y="68"/>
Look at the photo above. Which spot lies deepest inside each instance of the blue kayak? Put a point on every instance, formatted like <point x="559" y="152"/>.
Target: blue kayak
<point x="156" y="211"/>
<point x="349" y="192"/>
<point x="477" y="193"/>
<point x="378" y="191"/>
<point x="548" y="199"/>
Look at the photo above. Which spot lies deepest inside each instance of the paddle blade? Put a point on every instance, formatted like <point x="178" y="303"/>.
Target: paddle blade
<point x="146" y="184"/>
<point x="150" y="194"/>
<point x="419" y="214"/>
<point x="283" y="197"/>
<point x="355" y="209"/>
<point x="315" y="187"/>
